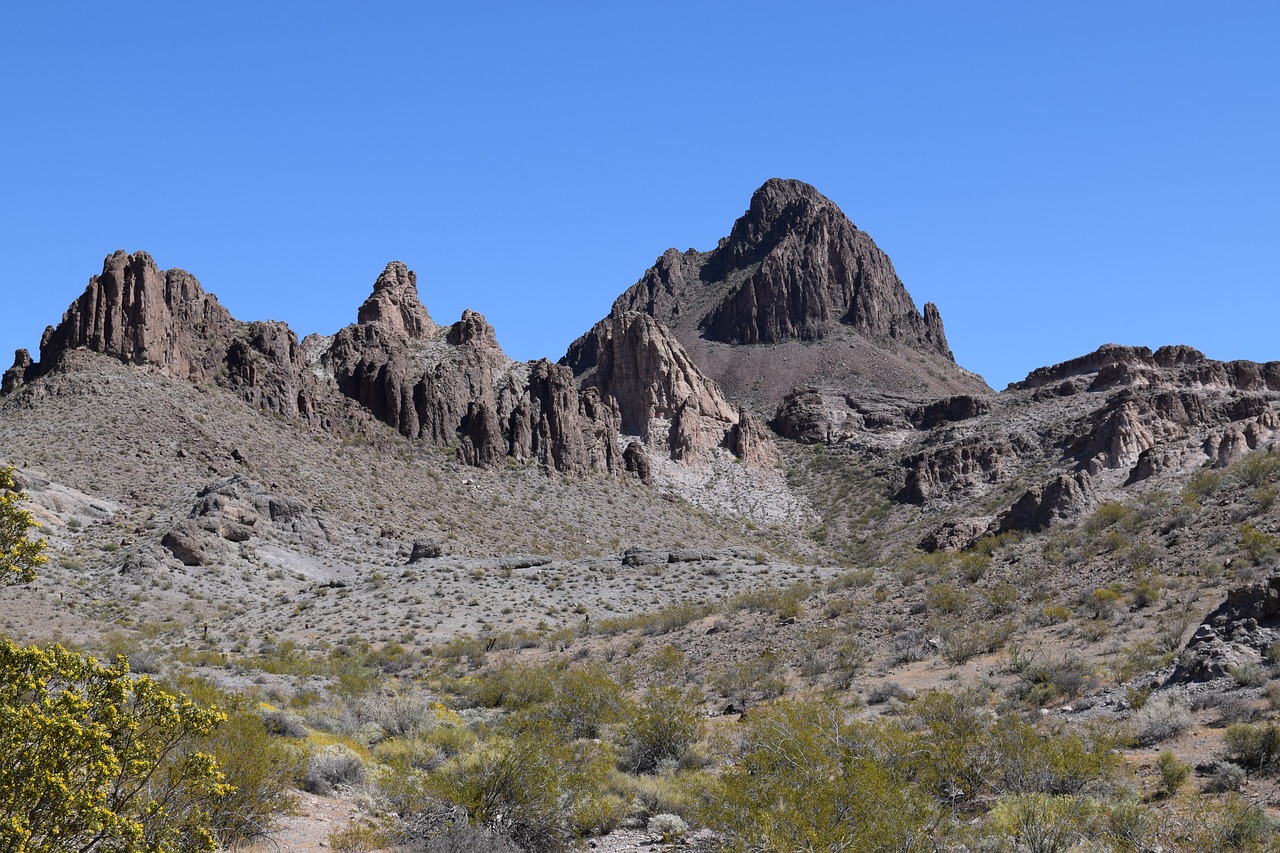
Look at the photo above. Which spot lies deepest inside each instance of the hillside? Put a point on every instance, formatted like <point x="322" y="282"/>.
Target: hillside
<point x="763" y="475"/>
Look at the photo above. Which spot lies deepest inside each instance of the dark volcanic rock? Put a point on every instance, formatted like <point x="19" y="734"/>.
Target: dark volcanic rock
<point x="955" y="535"/>
<point x="1239" y="631"/>
<point x="660" y="393"/>
<point x="794" y="270"/>
<point x="16" y="375"/>
<point x="140" y="314"/>
<point x="441" y="385"/>
<point x="958" y="467"/>
<point x="1063" y="497"/>
<point x="426" y="549"/>
<point x="395" y="303"/>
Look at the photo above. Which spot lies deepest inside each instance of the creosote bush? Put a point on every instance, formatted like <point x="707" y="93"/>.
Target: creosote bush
<point x="95" y="759"/>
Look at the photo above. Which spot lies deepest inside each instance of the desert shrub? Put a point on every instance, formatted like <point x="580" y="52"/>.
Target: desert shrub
<point x="883" y="691"/>
<point x="1248" y="674"/>
<point x="1043" y="681"/>
<point x="1160" y="719"/>
<point x="1230" y="823"/>
<point x="666" y="724"/>
<point x="280" y="724"/>
<point x="584" y="699"/>
<point x="360" y="837"/>
<point x="332" y="765"/>
<point x="1172" y="772"/>
<point x="946" y="598"/>
<point x="261" y="770"/>
<point x="662" y="621"/>
<point x="805" y="778"/>
<point x="668" y="827"/>
<point x="756" y="678"/>
<point x="1105" y="602"/>
<point x="1226" y="776"/>
<point x="1054" y="614"/>
<point x="400" y="714"/>
<point x="1254" y="747"/>
<point x="511" y="686"/>
<point x="847" y="660"/>
<point x="1257" y="469"/>
<point x="1257" y="545"/>
<point x="1003" y="598"/>
<point x="1042" y="823"/>
<point x="531" y="784"/>
<point x="1202" y="484"/>
<point x="679" y="793"/>
<point x="20" y="555"/>
<point x="95" y="759"/>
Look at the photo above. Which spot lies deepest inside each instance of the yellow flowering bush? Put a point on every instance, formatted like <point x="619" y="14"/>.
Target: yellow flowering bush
<point x="20" y="556"/>
<point x="95" y="759"/>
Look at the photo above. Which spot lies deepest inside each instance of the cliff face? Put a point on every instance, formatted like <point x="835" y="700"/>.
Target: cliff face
<point x="140" y="314"/>
<point x="143" y="315"/>
<point x="441" y="385"/>
<point x="794" y="270"/>
<point x="395" y="365"/>
<point x="661" y="395"/>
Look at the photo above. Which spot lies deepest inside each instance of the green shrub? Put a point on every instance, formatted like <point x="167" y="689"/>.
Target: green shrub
<point x="95" y="759"/>
<point x="1254" y="747"/>
<point x="583" y="699"/>
<point x="531" y="784"/>
<point x="666" y="724"/>
<point x="1173" y="773"/>
<point x="806" y="779"/>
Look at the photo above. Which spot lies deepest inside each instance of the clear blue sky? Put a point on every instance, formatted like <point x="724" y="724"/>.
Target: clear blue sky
<point x="1053" y="176"/>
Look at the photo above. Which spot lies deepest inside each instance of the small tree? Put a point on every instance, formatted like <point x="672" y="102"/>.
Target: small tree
<point x="95" y="760"/>
<point x="20" y="555"/>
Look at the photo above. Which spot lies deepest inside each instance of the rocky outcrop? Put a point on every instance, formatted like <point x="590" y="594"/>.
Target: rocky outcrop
<point x="143" y="315"/>
<point x="140" y="314"/>
<point x="1238" y="632"/>
<point x="1061" y="498"/>
<point x="1113" y="365"/>
<point x="795" y="270"/>
<point x="16" y="375"/>
<point x="395" y="304"/>
<point x="958" y="468"/>
<point x="956" y="535"/>
<point x="661" y="395"/>
<point x="961" y="407"/>
<point x="456" y="385"/>
<point x="799" y="266"/>
<point x="232" y="511"/>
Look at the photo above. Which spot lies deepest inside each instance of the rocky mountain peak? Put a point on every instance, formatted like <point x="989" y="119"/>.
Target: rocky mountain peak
<point x="793" y="271"/>
<point x="141" y="314"/>
<point x="395" y="304"/>
<point x="778" y="208"/>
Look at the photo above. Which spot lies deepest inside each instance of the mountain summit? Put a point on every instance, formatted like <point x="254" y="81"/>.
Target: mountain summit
<point x="795" y="272"/>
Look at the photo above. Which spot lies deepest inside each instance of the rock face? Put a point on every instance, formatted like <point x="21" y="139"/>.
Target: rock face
<point x="792" y="267"/>
<point x="1061" y="498"/>
<point x="395" y="304"/>
<point x="661" y="395"/>
<point x="455" y="384"/>
<point x="237" y="511"/>
<point x="1238" y="632"/>
<point x="139" y="314"/>
<point x="794" y="270"/>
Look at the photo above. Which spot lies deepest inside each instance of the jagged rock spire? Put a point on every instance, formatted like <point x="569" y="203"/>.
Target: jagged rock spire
<point x="395" y="303"/>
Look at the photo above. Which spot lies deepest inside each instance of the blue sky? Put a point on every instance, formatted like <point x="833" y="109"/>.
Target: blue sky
<point x="1053" y="176"/>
